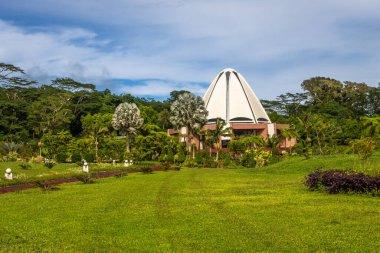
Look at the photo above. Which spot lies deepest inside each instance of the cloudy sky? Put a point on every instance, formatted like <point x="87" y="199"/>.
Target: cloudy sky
<point x="150" y="47"/>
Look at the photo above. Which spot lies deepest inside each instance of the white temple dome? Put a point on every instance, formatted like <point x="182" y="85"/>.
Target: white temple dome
<point x="231" y="98"/>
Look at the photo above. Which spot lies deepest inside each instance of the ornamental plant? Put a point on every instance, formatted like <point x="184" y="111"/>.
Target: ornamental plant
<point x="256" y="157"/>
<point x="337" y="181"/>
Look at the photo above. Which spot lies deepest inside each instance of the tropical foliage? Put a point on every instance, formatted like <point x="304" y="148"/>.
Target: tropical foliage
<point x="69" y="121"/>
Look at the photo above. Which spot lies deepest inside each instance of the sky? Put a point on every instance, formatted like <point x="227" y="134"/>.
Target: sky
<point x="151" y="47"/>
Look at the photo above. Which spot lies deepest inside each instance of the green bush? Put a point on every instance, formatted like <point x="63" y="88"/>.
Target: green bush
<point x="89" y="157"/>
<point x="61" y="157"/>
<point x="46" y="186"/>
<point x="86" y="179"/>
<point x="49" y="164"/>
<point x="198" y="160"/>
<point x="25" y="165"/>
<point x="256" y="158"/>
<point x="363" y="147"/>
<point x="76" y="157"/>
<point x="181" y="157"/>
<point x="146" y="169"/>
<point x="189" y="163"/>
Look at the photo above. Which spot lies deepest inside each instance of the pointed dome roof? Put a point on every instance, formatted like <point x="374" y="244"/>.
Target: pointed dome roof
<point x="231" y="98"/>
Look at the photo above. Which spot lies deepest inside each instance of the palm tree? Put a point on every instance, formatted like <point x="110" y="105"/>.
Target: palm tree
<point x="371" y="126"/>
<point x="253" y="141"/>
<point x="188" y="111"/>
<point x="288" y="133"/>
<point x="94" y="126"/>
<point x="273" y="142"/>
<point x="215" y="135"/>
<point x="127" y="117"/>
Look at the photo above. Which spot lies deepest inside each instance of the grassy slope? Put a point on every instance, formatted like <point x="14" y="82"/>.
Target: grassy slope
<point x="208" y="210"/>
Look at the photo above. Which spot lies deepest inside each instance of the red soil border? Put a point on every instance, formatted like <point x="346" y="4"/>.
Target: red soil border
<point x="102" y="174"/>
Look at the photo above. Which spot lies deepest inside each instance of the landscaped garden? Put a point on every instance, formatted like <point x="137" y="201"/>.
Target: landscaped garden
<point x="197" y="209"/>
<point x="68" y="151"/>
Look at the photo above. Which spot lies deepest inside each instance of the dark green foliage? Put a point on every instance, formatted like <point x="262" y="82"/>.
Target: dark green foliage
<point x="89" y="157"/>
<point x="226" y="159"/>
<point x="198" y="159"/>
<point x="25" y="165"/>
<point x="46" y="186"/>
<point x="189" y="163"/>
<point x="76" y="157"/>
<point x="62" y="157"/>
<point x="49" y="164"/>
<point x="181" y="157"/>
<point x="86" y="179"/>
<point x="121" y="174"/>
<point x="177" y="167"/>
<point x="203" y="159"/>
<point x="146" y="169"/>
<point x="248" y="160"/>
<point x="60" y="116"/>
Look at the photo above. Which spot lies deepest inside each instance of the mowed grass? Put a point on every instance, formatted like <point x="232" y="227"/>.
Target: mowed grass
<point x="195" y="210"/>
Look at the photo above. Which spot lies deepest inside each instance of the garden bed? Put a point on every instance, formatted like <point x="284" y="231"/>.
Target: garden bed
<point x="101" y="174"/>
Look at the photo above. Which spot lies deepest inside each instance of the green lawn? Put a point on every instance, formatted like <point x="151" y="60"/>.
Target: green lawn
<point x="196" y="210"/>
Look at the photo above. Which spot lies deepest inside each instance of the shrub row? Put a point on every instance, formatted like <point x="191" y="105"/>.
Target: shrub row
<point x="336" y="181"/>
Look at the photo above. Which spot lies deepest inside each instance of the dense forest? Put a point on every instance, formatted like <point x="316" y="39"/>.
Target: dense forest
<point x="67" y="119"/>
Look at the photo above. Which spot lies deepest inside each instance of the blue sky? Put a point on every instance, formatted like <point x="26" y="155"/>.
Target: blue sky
<point x="150" y="47"/>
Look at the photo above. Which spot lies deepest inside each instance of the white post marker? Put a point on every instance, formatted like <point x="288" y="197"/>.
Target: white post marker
<point x="126" y="163"/>
<point x="113" y="162"/>
<point x="131" y="162"/>
<point x="8" y="174"/>
<point x="85" y="167"/>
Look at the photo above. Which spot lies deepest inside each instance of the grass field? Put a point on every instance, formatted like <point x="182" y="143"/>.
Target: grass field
<point x="196" y="210"/>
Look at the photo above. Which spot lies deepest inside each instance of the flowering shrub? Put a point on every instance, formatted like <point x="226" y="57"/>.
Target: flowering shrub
<point x="335" y="181"/>
<point x="256" y="157"/>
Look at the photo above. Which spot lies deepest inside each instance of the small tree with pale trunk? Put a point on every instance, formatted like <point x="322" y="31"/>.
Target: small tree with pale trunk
<point x="127" y="118"/>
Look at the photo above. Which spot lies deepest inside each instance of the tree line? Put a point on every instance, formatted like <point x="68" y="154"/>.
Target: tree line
<point x="70" y="118"/>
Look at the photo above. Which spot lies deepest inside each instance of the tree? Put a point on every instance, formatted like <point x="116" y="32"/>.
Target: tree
<point x="273" y="143"/>
<point x="371" y="126"/>
<point x="323" y="89"/>
<point x="214" y="135"/>
<point x="288" y="133"/>
<point x="53" y="143"/>
<point x="10" y="77"/>
<point x="68" y="84"/>
<point x="188" y="111"/>
<point x="50" y="113"/>
<point x="127" y="118"/>
<point x="94" y="126"/>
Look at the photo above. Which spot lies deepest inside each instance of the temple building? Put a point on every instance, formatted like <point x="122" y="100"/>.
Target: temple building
<point x="231" y="98"/>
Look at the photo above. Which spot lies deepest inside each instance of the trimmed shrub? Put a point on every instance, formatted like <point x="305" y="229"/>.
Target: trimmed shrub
<point x="336" y="181"/>
<point x="121" y="174"/>
<point x="146" y="169"/>
<point x="25" y="165"/>
<point x="46" y="186"/>
<point x="49" y="164"/>
<point x="86" y="179"/>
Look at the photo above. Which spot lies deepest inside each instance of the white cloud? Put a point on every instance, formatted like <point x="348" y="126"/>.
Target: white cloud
<point x="160" y="88"/>
<point x="274" y="44"/>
